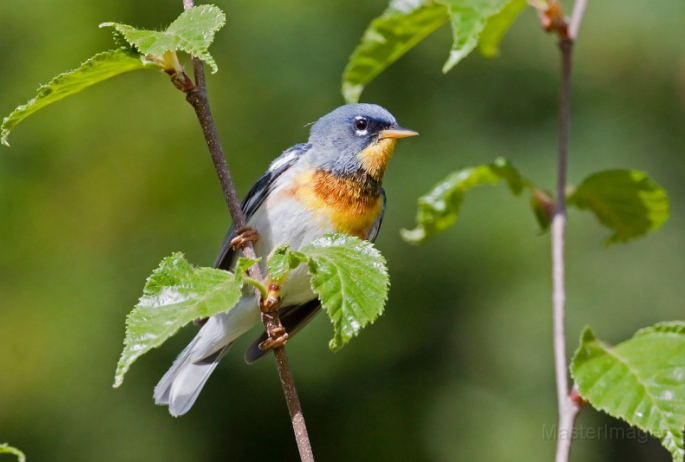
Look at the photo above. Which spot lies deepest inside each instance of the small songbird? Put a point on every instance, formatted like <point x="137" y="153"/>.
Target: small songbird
<point x="331" y="184"/>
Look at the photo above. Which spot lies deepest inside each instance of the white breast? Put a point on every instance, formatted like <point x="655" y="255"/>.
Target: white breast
<point x="282" y="219"/>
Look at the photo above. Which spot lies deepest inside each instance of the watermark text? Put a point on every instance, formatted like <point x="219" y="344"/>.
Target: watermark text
<point x="603" y="432"/>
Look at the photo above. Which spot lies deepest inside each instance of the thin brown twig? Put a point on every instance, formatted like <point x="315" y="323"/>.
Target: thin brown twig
<point x="197" y="97"/>
<point x="569" y="403"/>
<point x="568" y="409"/>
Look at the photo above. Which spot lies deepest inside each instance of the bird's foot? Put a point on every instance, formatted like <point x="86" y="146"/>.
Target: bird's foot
<point x="277" y="338"/>
<point x="243" y="236"/>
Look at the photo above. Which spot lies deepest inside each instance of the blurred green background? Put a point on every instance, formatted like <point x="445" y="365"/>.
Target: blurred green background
<point x="96" y="190"/>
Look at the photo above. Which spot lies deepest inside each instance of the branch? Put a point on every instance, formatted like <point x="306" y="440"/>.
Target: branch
<point x="568" y="409"/>
<point x="569" y="403"/>
<point x="197" y="96"/>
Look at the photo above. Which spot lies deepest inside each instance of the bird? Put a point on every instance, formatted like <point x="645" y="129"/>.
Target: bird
<point x="331" y="184"/>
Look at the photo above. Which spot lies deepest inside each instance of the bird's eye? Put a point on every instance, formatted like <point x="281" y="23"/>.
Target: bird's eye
<point x="361" y="124"/>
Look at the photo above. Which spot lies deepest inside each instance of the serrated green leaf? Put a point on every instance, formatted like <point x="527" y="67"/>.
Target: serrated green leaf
<point x="243" y="264"/>
<point x="439" y="209"/>
<point x="403" y="25"/>
<point x="350" y="277"/>
<point x="193" y="32"/>
<point x="278" y="262"/>
<point x="7" y="449"/>
<point x="626" y="201"/>
<point x="641" y="380"/>
<point x="497" y="26"/>
<point x="100" y="67"/>
<point x="282" y="260"/>
<point x="175" y="294"/>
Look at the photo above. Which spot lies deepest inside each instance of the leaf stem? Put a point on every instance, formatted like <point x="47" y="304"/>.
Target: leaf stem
<point x="197" y="97"/>
<point x="568" y="406"/>
<point x="257" y="285"/>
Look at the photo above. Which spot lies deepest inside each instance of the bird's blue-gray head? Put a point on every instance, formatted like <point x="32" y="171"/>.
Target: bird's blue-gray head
<point x="355" y="137"/>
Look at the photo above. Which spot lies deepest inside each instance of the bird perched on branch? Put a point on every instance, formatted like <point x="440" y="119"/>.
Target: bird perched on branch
<point x="331" y="184"/>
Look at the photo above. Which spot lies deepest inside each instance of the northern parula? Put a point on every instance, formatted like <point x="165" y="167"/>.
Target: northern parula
<point x="330" y="184"/>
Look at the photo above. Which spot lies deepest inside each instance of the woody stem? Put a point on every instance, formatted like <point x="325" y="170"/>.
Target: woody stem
<point x="197" y="97"/>
<point x="568" y="404"/>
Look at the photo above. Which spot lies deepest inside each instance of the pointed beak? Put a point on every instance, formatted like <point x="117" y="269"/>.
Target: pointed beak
<point x="397" y="133"/>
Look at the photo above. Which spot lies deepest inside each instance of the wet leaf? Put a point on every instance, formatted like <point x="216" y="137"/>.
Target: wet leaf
<point x="641" y="380"/>
<point x="100" y="67"/>
<point x="174" y="295"/>
<point x="351" y="279"/>
<point x="439" y="209"/>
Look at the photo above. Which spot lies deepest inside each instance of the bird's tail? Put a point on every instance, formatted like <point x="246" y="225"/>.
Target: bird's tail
<point x="181" y="385"/>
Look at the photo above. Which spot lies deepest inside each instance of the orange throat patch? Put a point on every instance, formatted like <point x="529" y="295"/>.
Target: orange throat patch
<point x="350" y="203"/>
<point x="374" y="159"/>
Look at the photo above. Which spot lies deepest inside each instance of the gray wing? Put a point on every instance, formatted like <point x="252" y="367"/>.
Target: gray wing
<point x="376" y="227"/>
<point x="256" y="196"/>
<point x="295" y="317"/>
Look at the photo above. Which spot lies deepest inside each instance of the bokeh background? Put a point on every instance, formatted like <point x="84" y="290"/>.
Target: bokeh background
<point x="96" y="190"/>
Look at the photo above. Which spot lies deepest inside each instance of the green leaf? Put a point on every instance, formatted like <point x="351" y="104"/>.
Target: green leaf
<point x="175" y="294"/>
<point x="282" y="260"/>
<point x="193" y="32"/>
<point x="468" y="19"/>
<point x="626" y="201"/>
<point x="440" y="208"/>
<point x="350" y="277"/>
<point x="279" y="262"/>
<point x="641" y="381"/>
<point x="243" y="264"/>
<point x="404" y="24"/>
<point x="497" y="26"/>
<point x="100" y="67"/>
<point x="7" y="449"/>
